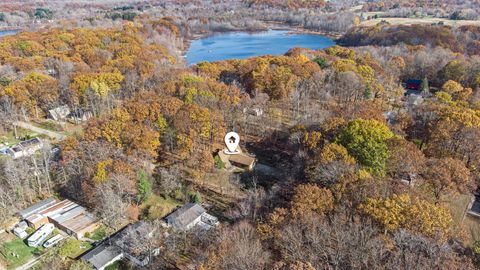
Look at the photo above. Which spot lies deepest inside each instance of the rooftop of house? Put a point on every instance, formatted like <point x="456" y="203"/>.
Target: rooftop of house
<point x="414" y="81"/>
<point x="34" y="143"/>
<point x="59" y="112"/>
<point x="30" y="143"/>
<point x="476" y="205"/>
<point x="79" y="113"/>
<point x="113" y="248"/>
<point x="185" y="215"/>
<point x="242" y="159"/>
<point x="102" y="255"/>
<point x="413" y="84"/>
<point x="37" y="207"/>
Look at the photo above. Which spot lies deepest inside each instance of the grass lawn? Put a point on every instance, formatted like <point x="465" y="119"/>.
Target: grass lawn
<point x="468" y="226"/>
<point x="73" y="247"/>
<point x="9" y="137"/>
<point x="119" y="265"/>
<point x="48" y="125"/>
<point x="71" y="129"/>
<point x="65" y="128"/>
<point x="99" y="234"/>
<point x="113" y="266"/>
<point x="472" y="227"/>
<point x="220" y="181"/>
<point x="457" y="205"/>
<point x="17" y="247"/>
<point x="158" y="207"/>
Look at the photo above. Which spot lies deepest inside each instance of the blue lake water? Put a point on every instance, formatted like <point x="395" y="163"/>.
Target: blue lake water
<point x="243" y="45"/>
<point x="8" y="32"/>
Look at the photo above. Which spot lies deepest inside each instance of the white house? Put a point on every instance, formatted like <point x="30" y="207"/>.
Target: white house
<point x="190" y="215"/>
<point x="25" y="148"/>
<point x="59" y="113"/>
<point x="118" y="246"/>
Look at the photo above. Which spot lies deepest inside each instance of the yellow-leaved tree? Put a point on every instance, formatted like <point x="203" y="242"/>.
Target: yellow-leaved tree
<point x="414" y="214"/>
<point x="310" y="198"/>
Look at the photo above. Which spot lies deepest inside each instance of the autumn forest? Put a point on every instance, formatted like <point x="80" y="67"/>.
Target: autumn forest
<point x="367" y="152"/>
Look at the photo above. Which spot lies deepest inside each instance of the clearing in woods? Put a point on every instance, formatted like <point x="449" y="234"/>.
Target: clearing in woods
<point x="410" y="21"/>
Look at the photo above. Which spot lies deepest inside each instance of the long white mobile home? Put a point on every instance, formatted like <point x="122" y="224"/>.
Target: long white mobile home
<point x="40" y="235"/>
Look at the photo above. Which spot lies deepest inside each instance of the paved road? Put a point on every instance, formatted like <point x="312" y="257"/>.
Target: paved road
<point x="49" y="133"/>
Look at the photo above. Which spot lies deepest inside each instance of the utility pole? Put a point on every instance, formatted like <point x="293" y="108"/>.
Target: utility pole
<point x="15" y="130"/>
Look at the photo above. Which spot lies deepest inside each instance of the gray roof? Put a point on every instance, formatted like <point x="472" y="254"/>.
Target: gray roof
<point x="30" y="143"/>
<point x="70" y="213"/>
<point x="113" y="248"/>
<point x="185" y="215"/>
<point x="60" y="112"/>
<point x="36" y="207"/>
<point x="476" y="205"/>
<point x="103" y="255"/>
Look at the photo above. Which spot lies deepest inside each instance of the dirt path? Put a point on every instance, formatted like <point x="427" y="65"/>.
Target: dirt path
<point x="30" y="263"/>
<point x="49" y="133"/>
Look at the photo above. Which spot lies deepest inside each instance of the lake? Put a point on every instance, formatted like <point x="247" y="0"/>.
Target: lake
<point x="8" y="32"/>
<point x="243" y="45"/>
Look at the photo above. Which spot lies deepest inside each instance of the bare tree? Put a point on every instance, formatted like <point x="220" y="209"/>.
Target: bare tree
<point x="168" y="179"/>
<point x="111" y="208"/>
<point x="142" y="239"/>
<point x="238" y="248"/>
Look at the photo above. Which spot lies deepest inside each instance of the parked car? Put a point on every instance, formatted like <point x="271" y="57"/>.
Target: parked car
<point x="53" y="241"/>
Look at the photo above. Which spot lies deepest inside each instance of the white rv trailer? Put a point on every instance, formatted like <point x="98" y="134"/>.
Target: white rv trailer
<point x="53" y="241"/>
<point x="40" y="235"/>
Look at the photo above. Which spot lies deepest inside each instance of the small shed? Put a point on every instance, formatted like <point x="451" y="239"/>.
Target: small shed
<point x="36" y="220"/>
<point x="253" y="111"/>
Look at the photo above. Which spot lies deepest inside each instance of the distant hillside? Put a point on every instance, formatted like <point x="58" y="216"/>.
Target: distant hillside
<point x="463" y="39"/>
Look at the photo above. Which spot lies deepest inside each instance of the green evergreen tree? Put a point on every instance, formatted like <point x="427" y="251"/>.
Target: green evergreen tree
<point x="368" y="92"/>
<point x="144" y="186"/>
<point x="424" y="86"/>
<point x="322" y="62"/>
<point x="196" y="198"/>
<point x="218" y="162"/>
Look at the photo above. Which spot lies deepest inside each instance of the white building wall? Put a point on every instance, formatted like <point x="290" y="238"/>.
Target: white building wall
<point x="194" y="222"/>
